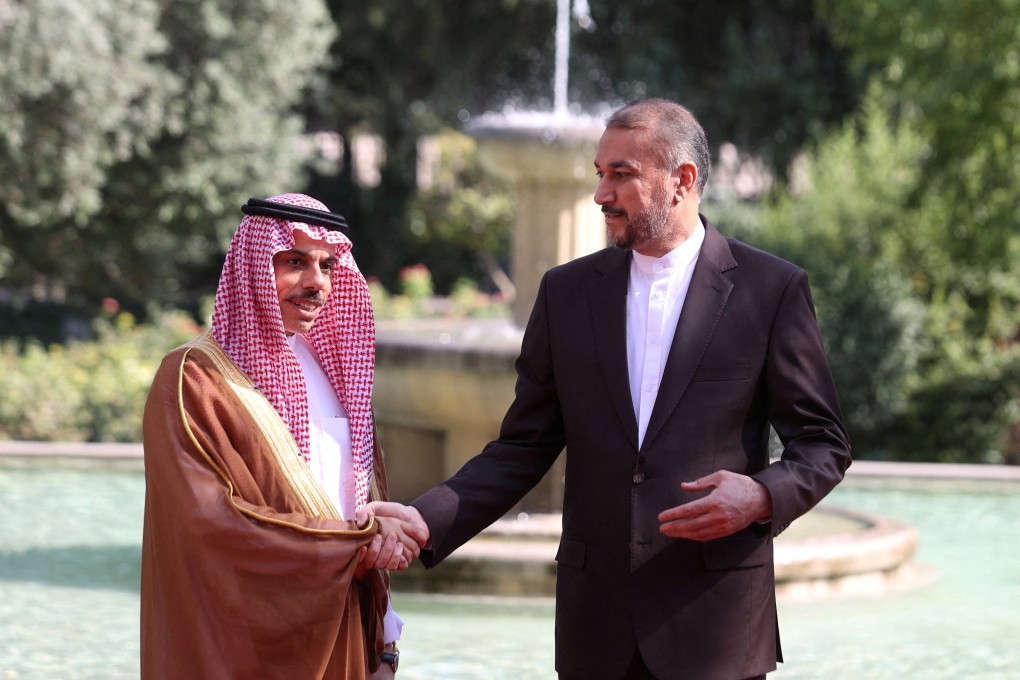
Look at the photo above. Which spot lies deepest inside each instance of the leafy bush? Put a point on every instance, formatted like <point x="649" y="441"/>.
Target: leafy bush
<point x="842" y="228"/>
<point x="86" y="390"/>
<point x="94" y="390"/>
<point x="922" y="344"/>
<point x="462" y="223"/>
<point x="966" y="413"/>
<point x="416" y="299"/>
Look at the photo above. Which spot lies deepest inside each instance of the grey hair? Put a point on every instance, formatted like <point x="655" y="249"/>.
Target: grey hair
<point x="676" y="135"/>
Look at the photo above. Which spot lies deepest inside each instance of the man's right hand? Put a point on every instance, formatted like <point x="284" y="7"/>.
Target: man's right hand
<point x="392" y="548"/>
<point x="411" y="521"/>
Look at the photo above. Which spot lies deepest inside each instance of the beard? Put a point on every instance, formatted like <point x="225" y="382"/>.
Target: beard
<point x="645" y="226"/>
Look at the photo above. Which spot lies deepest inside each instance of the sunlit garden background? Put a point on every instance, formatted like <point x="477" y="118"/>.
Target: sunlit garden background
<point x="874" y="142"/>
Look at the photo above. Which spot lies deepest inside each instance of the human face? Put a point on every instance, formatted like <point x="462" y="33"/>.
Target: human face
<point x="304" y="279"/>
<point x="636" y="195"/>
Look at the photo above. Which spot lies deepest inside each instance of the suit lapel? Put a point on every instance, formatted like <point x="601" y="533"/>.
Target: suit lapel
<point x="706" y="298"/>
<point x="608" y="303"/>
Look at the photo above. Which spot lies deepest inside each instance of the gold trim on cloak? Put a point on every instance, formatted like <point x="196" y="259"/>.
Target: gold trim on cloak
<point x="286" y="453"/>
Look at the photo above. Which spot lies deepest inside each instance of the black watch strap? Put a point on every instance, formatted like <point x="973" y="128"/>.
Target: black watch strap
<point x="391" y="657"/>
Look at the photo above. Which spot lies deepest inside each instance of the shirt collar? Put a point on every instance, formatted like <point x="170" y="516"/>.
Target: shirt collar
<point x="676" y="259"/>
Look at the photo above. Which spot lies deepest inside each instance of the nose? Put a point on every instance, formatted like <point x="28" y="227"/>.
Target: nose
<point x="603" y="192"/>
<point x="315" y="279"/>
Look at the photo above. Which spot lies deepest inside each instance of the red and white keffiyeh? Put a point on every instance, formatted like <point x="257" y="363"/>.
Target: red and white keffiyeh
<point x="248" y="325"/>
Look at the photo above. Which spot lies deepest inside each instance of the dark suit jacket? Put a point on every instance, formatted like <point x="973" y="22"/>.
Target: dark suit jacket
<point x="747" y="353"/>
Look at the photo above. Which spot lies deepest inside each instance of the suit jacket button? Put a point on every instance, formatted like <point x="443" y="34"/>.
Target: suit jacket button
<point x="638" y="477"/>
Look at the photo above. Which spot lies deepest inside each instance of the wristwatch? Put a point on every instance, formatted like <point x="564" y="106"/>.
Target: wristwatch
<point x="391" y="655"/>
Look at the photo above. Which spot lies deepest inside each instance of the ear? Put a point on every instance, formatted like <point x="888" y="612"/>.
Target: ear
<point x="685" y="178"/>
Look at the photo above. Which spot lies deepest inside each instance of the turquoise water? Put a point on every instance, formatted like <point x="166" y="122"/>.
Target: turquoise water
<point x="70" y="546"/>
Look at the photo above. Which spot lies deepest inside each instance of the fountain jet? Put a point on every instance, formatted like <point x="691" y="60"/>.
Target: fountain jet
<point x="549" y="156"/>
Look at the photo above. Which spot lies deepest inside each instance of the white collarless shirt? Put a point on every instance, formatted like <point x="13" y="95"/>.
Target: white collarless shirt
<point x="330" y="462"/>
<point x="329" y="431"/>
<point x="656" y="292"/>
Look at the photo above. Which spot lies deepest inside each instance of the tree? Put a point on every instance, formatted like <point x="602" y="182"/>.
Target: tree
<point x="72" y="104"/>
<point x="404" y="69"/>
<point x="763" y="74"/>
<point x="845" y="228"/>
<point x="951" y="70"/>
<point x="136" y="139"/>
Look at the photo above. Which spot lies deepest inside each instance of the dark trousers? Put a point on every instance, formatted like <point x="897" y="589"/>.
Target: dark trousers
<point x="639" y="671"/>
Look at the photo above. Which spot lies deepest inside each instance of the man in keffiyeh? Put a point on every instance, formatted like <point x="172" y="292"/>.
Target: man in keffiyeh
<point x="259" y="449"/>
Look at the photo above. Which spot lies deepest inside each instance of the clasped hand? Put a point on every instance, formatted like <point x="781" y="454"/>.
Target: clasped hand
<point x="403" y="533"/>
<point x="734" y="501"/>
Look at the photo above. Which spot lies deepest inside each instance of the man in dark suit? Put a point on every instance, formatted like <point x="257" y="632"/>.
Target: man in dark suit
<point x="659" y="363"/>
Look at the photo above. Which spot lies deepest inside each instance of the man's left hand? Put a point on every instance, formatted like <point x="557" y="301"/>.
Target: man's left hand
<point x="734" y="502"/>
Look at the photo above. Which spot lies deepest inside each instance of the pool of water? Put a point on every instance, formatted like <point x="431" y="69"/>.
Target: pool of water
<point x="69" y="565"/>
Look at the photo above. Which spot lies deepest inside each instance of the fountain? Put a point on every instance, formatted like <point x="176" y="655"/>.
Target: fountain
<point x="549" y="156"/>
<point x="442" y="391"/>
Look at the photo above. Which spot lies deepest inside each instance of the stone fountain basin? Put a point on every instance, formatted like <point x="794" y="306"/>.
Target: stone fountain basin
<point x="831" y="551"/>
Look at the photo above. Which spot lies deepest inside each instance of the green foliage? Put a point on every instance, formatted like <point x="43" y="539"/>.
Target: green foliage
<point x="86" y="390"/>
<point x="957" y="63"/>
<point x="966" y="412"/>
<point x="843" y="228"/>
<point x="416" y="300"/>
<point x="951" y="71"/>
<point x="128" y="143"/>
<point x="467" y="301"/>
<point x="924" y="372"/>
<point x="763" y="74"/>
<point x="74" y="103"/>
<point x="461" y="225"/>
<point x="416" y="282"/>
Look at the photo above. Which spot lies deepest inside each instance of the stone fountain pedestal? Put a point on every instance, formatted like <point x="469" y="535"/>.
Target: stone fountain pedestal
<point x="442" y="387"/>
<point x="550" y="159"/>
<point x="441" y="390"/>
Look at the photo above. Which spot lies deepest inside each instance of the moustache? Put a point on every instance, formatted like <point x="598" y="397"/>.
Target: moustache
<point x="616" y="212"/>
<point x="317" y="298"/>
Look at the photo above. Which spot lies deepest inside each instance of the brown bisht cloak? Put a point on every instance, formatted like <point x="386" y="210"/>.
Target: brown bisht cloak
<point x="247" y="569"/>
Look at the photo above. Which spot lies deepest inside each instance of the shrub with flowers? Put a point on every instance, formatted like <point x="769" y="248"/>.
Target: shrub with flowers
<point x="94" y="390"/>
<point x="86" y="390"/>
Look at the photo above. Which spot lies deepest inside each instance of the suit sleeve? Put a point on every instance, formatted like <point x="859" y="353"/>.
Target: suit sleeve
<point x="803" y="409"/>
<point x="530" y="439"/>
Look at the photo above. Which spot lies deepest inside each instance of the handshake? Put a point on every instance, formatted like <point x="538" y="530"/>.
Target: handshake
<point x="402" y="536"/>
